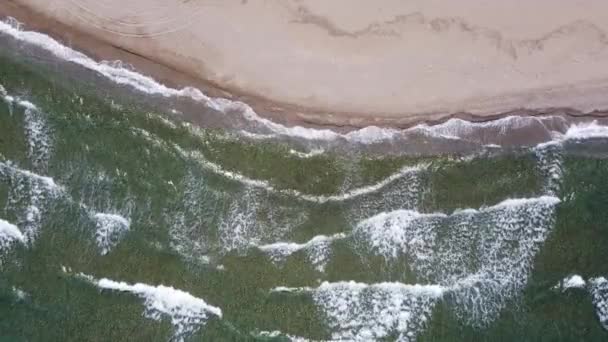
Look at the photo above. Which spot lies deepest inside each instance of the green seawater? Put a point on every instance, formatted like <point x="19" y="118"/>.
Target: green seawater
<point x="101" y="187"/>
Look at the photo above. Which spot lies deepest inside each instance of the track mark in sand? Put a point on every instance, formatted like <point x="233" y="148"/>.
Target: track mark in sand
<point x="139" y="20"/>
<point x="594" y="37"/>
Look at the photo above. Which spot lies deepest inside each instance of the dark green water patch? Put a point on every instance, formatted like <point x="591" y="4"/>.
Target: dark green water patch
<point x="481" y="181"/>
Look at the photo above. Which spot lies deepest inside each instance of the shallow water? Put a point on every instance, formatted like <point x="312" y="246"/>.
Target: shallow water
<point x="119" y="222"/>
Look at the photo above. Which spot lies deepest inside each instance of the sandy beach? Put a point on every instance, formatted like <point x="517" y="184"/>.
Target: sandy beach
<point x="351" y="62"/>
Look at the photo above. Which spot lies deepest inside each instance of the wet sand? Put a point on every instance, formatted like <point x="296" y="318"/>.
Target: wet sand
<point x="311" y="62"/>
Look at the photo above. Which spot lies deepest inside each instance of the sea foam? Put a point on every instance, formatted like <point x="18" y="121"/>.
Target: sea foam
<point x="483" y="255"/>
<point x="597" y="287"/>
<point x="587" y="130"/>
<point x="110" y="229"/>
<point x="9" y="234"/>
<point x="29" y="196"/>
<point x="477" y="259"/>
<point x="369" y="312"/>
<point x="187" y="312"/>
<point x="574" y="281"/>
<point x="39" y="136"/>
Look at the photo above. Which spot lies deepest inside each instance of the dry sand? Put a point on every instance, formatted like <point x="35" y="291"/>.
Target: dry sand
<point x="353" y="62"/>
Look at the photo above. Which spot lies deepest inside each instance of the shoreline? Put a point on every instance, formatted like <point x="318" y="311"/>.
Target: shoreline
<point x="287" y="115"/>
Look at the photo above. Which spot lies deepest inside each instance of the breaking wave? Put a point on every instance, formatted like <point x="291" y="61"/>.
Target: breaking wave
<point x="9" y="234"/>
<point x="598" y="289"/>
<point x="318" y="250"/>
<point x="110" y="229"/>
<point x="30" y="196"/>
<point x="186" y="312"/>
<point x="477" y="260"/>
<point x="488" y="252"/>
<point x="588" y="130"/>
<point x="369" y="312"/>
<point x="599" y="295"/>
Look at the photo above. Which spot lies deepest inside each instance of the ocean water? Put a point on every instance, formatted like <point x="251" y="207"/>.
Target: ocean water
<point x="131" y="211"/>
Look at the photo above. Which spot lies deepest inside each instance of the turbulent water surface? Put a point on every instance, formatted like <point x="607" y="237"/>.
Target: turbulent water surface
<point x="122" y="221"/>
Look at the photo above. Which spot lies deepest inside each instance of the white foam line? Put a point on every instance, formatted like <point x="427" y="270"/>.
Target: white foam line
<point x="187" y="313"/>
<point x="294" y="247"/>
<point x="165" y="121"/>
<point x="434" y="291"/>
<point x="165" y="298"/>
<point x="292" y="289"/>
<point x="588" y="130"/>
<point x="366" y="135"/>
<point x="431" y="290"/>
<point x="454" y="126"/>
<point x="517" y="202"/>
<point x="113" y="71"/>
<point x="276" y="333"/>
<point x="507" y="203"/>
<point x="12" y="100"/>
<point x="256" y="136"/>
<point x="26" y="104"/>
<point x="215" y="168"/>
<point x="318" y="249"/>
<point x="19" y="102"/>
<point x="307" y="155"/>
